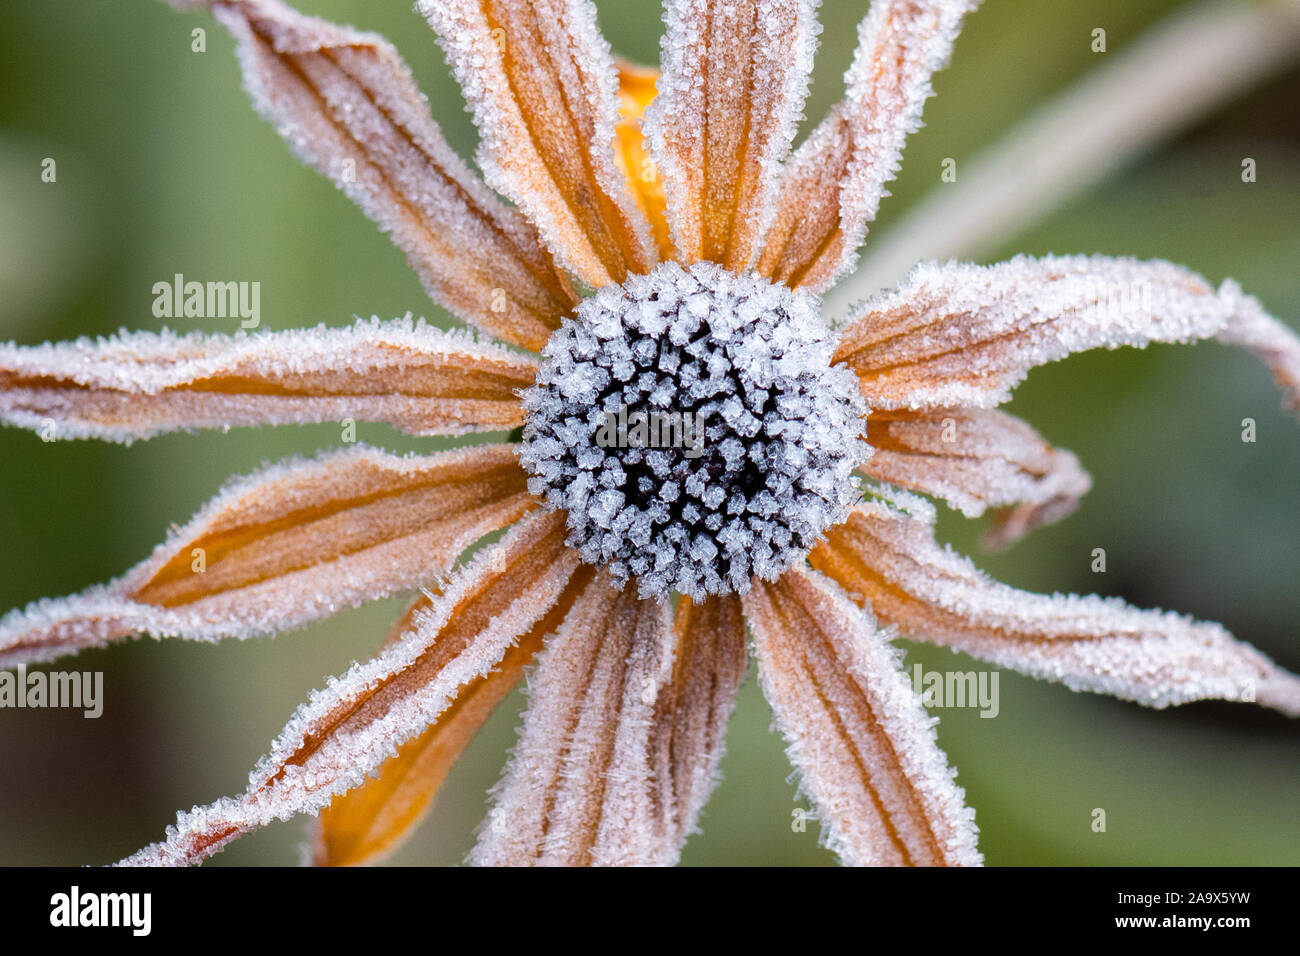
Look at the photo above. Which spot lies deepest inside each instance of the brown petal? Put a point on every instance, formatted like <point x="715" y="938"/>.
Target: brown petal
<point x="692" y="712"/>
<point x="636" y="91"/>
<point x="977" y="458"/>
<point x="834" y="183"/>
<point x="348" y="106"/>
<point x="864" y="745"/>
<point x="356" y="723"/>
<point x="137" y="385"/>
<point x="293" y="543"/>
<point x="1089" y="643"/>
<point x="542" y="85"/>
<point x="622" y="737"/>
<point x="961" y="334"/>
<point x="734" y="80"/>
<point x="371" y="821"/>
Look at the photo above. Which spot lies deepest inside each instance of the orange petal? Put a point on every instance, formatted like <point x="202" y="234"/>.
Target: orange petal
<point x="348" y="106"/>
<point x="977" y="458"/>
<point x="293" y="543"/>
<point x="636" y="90"/>
<point x="371" y="821"/>
<point x="542" y="85"/>
<point x="352" y="726"/>
<point x="863" y="744"/>
<point x="734" y="80"/>
<point x="137" y="385"/>
<point x="620" y="745"/>
<point x="833" y="185"/>
<point x="892" y="562"/>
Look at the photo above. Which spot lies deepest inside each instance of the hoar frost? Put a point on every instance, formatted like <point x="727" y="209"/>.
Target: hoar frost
<point x="771" y="431"/>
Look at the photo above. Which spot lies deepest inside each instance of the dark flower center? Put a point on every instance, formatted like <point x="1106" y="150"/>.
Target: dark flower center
<point x="691" y="425"/>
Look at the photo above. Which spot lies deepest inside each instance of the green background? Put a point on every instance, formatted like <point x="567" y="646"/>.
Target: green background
<point x="164" y="168"/>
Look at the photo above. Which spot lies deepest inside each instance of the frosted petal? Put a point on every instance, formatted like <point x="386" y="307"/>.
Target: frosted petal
<point x="579" y="789"/>
<point x="975" y="459"/>
<point x="295" y="542"/>
<point x="358" y="720"/>
<point x="863" y="744"/>
<point x="371" y="821"/>
<point x="621" y="740"/>
<point x="961" y="334"/>
<point x="137" y="385"/>
<point x="734" y="77"/>
<point x="708" y="667"/>
<point x="543" y="89"/>
<point x="1277" y="346"/>
<point x="347" y="105"/>
<point x="833" y="185"/>
<point x="1088" y="643"/>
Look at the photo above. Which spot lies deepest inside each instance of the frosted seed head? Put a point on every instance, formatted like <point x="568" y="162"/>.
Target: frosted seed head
<point x="693" y="428"/>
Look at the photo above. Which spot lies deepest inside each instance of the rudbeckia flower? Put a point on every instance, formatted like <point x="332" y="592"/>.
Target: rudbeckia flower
<point x="704" y="469"/>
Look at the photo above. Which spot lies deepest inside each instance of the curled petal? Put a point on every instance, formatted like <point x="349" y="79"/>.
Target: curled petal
<point x="858" y="734"/>
<point x="1277" y="346"/>
<point x="975" y="459"/>
<point x="833" y="185"/>
<point x="293" y="543"/>
<point x="622" y="737"/>
<point x="542" y="84"/>
<point x="734" y="79"/>
<point x="1091" y="643"/>
<point x="347" y="104"/>
<point x="961" y="334"/>
<point x="137" y="385"/>
<point x="369" y="822"/>
<point x="357" y="722"/>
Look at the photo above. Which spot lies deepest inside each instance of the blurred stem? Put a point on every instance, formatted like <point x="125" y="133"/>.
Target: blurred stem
<point x="1178" y="71"/>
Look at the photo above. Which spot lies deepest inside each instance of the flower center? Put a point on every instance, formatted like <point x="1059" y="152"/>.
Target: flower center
<point x="690" y="423"/>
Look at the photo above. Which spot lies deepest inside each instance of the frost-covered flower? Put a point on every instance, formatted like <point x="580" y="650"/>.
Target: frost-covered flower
<point x="691" y="432"/>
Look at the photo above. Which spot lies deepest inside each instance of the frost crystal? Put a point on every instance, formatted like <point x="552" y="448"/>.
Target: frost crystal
<point x="690" y="423"/>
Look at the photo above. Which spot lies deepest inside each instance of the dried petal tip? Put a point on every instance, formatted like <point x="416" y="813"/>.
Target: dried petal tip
<point x="1266" y="338"/>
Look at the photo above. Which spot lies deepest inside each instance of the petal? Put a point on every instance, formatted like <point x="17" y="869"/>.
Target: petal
<point x="734" y="79"/>
<point x="962" y="334"/>
<point x="296" y="542"/>
<point x="835" y="181"/>
<point x="137" y="385"/>
<point x="623" y="734"/>
<point x="636" y="90"/>
<point x="369" y="822"/>
<point x="348" y="106"/>
<point x="976" y="458"/>
<point x="863" y="743"/>
<point x="1089" y="643"/>
<point x="542" y="84"/>
<point x="708" y="667"/>
<point x="357" y="722"/>
<point x="1277" y="346"/>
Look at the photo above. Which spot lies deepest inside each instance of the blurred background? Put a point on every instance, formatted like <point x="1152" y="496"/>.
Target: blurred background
<point x="163" y="168"/>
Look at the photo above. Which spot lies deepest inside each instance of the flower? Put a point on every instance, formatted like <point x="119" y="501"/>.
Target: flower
<point x="675" y="272"/>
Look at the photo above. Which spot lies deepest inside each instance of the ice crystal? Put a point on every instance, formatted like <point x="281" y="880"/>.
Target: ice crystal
<point x="690" y="423"/>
